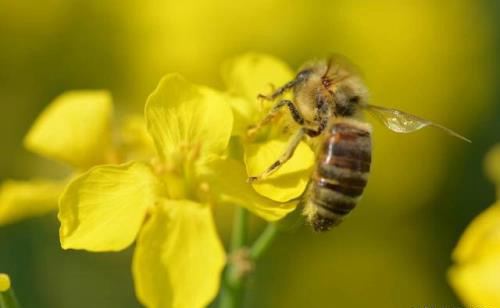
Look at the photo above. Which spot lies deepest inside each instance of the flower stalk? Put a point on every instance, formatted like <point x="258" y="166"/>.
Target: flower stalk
<point x="264" y="241"/>
<point x="8" y="300"/>
<point x="233" y="281"/>
<point x="242" y="259"/>
<point x="239" y="238"/>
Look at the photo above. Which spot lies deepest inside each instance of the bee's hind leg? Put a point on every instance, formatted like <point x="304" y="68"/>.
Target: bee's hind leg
<point x="292" y="145"/>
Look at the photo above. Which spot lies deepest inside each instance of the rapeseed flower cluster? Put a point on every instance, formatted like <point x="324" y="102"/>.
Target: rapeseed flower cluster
<point x="159" y="183"/>
<point x="165" y="204"/>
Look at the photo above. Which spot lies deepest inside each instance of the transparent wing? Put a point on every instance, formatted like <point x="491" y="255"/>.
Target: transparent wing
<point x="402" y="122"/>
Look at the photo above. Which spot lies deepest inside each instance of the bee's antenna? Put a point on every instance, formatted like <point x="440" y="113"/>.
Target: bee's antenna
<point x="328" y="67"/>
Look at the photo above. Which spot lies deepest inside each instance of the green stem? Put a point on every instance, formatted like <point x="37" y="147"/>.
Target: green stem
<point x="232" y="285"/>
<point x="265" y="240"/>
<point x="234" y="281"/>
<point x="8" y="299"/>
<point x="240" y="223"/>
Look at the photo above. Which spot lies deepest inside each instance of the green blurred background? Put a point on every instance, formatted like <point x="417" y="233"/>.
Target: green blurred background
<point x="437" y="59"/>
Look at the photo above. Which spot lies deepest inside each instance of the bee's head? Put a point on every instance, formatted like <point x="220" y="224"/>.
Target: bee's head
<point x="336" y="81"/>
<point x="306" y="79"/>
<point x="342" y="80"/>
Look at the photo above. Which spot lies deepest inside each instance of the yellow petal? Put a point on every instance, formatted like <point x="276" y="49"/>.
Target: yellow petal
<point x="178" y="258"/>
<point x="290" y="180"/>
<point x="251" y="74"/>
<point x="188" y="121"/>
<point x="476" y="277"/>
<point x="103" y="209"/>
<point x="4" y="282"/>
<point x="75" y="128"/>
<point x="246" y="114"/>
<point x="25" y="199"/>
<point x="478" y="283"/>
<point x="481" y="238"/>
<point x="227" y="180"/>
<point x="247" y="76"/>
<point x="135" y="139"/>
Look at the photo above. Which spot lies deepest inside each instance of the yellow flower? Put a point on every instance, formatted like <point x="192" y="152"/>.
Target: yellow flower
<point x="247" y="76"/>
<point x="75" y="129"/>
<point x="476" y="273"/>
<point x="164" y="203"/>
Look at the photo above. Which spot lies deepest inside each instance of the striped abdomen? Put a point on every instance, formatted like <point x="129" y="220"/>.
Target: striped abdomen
<point x="340" y="174"/>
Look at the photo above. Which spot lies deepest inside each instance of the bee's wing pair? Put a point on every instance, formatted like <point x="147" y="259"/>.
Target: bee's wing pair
<point x="402" y="122"/>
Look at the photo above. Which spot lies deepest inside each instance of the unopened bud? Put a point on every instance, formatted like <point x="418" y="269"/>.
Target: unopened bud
<point x="4" y="282"/>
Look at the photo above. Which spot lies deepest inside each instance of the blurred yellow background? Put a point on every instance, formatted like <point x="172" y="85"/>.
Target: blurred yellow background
<point x="434" y="59"/>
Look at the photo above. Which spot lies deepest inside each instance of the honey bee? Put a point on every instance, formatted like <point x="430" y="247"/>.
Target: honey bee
<point x="328" y="97"/>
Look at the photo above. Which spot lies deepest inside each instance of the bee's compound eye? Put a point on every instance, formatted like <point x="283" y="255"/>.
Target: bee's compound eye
<point x="303" y="74"/>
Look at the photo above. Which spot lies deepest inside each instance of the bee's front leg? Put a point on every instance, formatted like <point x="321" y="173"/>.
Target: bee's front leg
<point x="293" y="144"/>
<point x="294" y="111"/>
<point x="278" y="92"/>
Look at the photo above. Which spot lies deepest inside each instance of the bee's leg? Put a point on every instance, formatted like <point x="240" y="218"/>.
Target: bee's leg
<point x="322" y="115"/>
<point x="279" y="91"/>
<point x="316" y="131"/>
<point x="294" y="111"/>
<point x="292" y="145"/>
